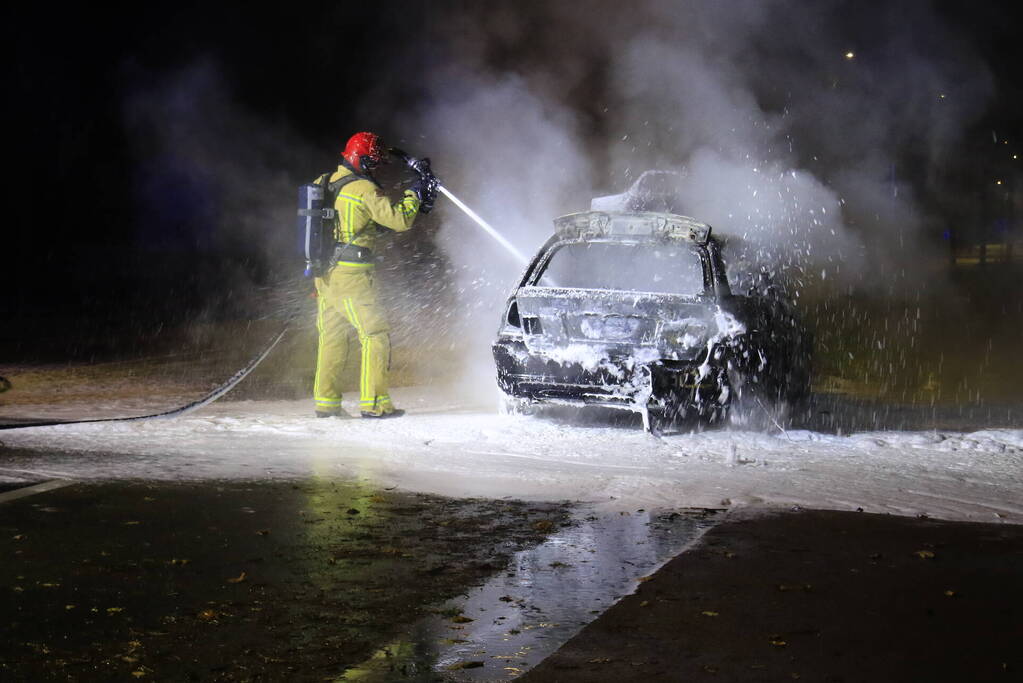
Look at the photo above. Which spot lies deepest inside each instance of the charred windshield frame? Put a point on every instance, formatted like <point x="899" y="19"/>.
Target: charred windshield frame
<point x="711" y="279"/>
<point x="720" y="275"/>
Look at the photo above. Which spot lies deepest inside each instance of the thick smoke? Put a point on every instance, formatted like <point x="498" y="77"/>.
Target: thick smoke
<point x="815" y="134"/>
<point x="810" y="132"/>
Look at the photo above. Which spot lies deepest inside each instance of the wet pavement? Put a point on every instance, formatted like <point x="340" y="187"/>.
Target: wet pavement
<point x="236" y="580"/>
<point x="327" y="580"/>
<point x="545" y="595"/>
<point x="311" y="580"/>
<point x="817" y="596"/>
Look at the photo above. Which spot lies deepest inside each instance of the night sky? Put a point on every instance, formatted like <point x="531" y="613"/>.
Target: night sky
<point x="98" y="210"/>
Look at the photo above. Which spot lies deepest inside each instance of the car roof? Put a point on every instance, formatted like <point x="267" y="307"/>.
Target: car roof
<point x="592" y="224"/>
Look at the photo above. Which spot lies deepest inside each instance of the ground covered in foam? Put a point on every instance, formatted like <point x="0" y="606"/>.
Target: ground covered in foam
<point x="454" y="447"/>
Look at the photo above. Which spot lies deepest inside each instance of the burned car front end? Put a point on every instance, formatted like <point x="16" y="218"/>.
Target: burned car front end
<point x="630" y="310"/>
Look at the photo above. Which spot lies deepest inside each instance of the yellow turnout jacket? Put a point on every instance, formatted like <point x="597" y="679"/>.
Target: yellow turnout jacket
<point x="361" y="206"/>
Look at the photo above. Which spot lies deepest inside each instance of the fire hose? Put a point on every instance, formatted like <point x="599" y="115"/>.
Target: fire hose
<point x="209" y="398"/>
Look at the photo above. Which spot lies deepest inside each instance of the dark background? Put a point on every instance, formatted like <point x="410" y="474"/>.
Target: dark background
<point x="100" y="229"/>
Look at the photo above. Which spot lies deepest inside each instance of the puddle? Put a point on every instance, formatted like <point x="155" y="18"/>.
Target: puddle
<point x="503" y="628"/>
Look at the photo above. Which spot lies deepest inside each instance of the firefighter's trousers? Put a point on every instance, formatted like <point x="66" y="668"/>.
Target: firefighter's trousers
<point x="347" y="298"/>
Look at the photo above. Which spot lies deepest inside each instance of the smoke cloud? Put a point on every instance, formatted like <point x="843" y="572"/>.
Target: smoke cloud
<point x="817" y="134"/>
<point x="814" y="133"/>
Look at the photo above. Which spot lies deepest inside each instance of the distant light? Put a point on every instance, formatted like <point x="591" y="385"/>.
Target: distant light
<point x="850" y="55"/>
<point x="1015" y="156"/>
<point x="998" y="182"/>
<point x="942" y="96"/>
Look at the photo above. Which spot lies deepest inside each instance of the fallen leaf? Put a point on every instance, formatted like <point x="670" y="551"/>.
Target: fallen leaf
<point x="69" y="607"/>
<point x="473" y="664"/>
<point x="182" y="562"/>
<point x="114" y="610"/>
<point x="643" y="579"/>
<point x="924" y="554"/>
<point x="461" y="619"/>
<point x="237" y="579"/>
<point x="132" y="523"/>
<point x="19" y="537"/>
<point x="599" y="660"/>
<point x="709" y="613"/>
<point x="950" y="593"/>
<point x="779" y="643"/>
<point x="138" y="673"/>
<point x="543" y="526"/>
<point x="263" y="532"/>
<point x="644" y="603"/>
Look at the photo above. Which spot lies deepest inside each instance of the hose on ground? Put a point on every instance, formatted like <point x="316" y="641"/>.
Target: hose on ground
<point x="209" y="398"/>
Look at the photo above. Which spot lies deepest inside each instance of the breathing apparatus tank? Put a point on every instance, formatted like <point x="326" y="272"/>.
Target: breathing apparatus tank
<point x="315" y="230"/>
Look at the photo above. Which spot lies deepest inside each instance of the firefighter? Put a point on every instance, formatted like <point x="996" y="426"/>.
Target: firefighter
<point x="347" y="292"/>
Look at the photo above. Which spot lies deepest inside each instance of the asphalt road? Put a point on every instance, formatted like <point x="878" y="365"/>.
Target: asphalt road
<point x="817" y="596"/>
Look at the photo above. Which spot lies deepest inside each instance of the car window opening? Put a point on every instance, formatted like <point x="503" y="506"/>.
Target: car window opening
<point x="656" y="268"/>
<point x="513" y="315"/>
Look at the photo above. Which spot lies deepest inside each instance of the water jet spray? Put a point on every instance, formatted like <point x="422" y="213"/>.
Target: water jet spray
<point x="422" y="167"/>
<point x="483" y="224"/>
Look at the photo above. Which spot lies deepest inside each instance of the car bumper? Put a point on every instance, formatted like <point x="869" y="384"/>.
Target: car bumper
<point x="618" y="382"/>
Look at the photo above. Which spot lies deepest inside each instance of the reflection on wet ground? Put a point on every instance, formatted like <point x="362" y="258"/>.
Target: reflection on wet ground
<point x="314" y="580"/>
<point x="223" y="581"/>
<point x="546" y="595"/>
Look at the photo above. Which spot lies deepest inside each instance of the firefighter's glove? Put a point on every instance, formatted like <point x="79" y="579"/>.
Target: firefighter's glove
<point x="426" y="189"/>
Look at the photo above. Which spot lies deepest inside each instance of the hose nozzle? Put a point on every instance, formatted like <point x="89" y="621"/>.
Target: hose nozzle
<point x="420" y="166"/>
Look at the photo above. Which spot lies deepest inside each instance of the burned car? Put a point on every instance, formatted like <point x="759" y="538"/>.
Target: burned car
<point x="633" y="309"/>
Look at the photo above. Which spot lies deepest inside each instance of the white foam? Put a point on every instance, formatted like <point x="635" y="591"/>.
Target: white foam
<point x="448" y="447"/>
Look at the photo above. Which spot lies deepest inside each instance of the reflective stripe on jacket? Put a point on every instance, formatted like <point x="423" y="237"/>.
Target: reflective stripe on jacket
<point x="361" y="206"/>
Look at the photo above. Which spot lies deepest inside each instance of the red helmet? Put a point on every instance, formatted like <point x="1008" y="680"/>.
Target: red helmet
<point x="364" y="151"/>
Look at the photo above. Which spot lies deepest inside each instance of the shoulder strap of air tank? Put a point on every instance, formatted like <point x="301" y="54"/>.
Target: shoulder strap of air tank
<point x="336" y="186"/>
